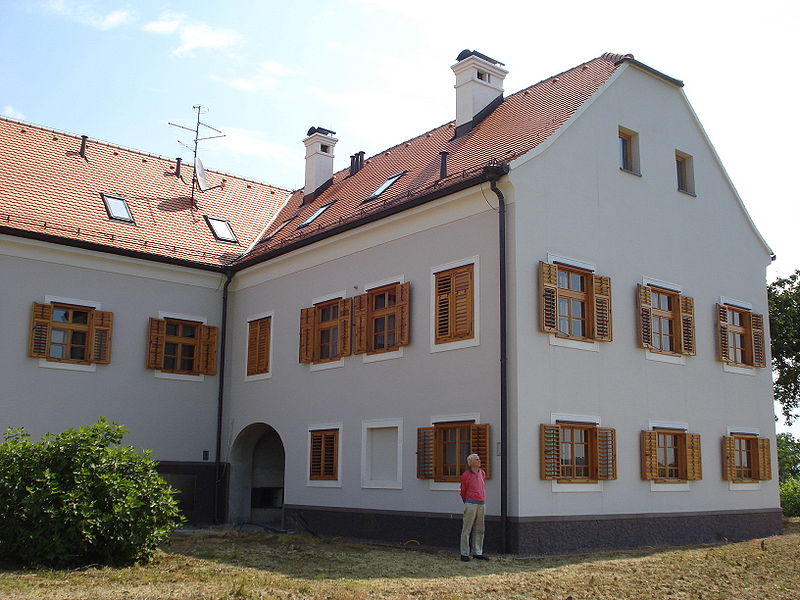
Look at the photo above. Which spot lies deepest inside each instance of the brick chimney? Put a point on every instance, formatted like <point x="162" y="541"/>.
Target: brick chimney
<point x="319" y="159"/>
<point x="479" y="88"/>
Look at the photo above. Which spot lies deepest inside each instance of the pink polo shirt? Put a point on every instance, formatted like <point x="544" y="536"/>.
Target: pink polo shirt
<point x="473" y="485"/>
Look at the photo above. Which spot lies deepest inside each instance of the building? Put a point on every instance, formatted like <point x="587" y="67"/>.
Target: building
<point x="563" y="280"/>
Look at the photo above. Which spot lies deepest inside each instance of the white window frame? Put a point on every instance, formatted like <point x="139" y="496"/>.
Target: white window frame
<point x="180" y="376"/>
<point x="476" y="305"/>
<point x="64" y="366"/>
<point x="331" y="483"/>
<point x="250" y="319"/>
<point x="366" y="453"/>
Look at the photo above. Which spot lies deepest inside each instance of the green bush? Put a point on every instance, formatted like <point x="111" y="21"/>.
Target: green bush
<point x="80" y="498"/>
<point x="790" y="497"/>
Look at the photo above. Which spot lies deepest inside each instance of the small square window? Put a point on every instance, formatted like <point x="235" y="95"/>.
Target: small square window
<point x="684" y="167"/>
<point x="628" y="151"/>
<point x="221" y="229"/>
<point x="117" y="208"/>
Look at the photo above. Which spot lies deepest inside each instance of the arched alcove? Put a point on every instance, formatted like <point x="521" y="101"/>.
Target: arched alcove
<point x="257" y="471"/>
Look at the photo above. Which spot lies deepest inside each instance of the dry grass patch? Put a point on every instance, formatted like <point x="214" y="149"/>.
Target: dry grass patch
<point x="229" y="565"/>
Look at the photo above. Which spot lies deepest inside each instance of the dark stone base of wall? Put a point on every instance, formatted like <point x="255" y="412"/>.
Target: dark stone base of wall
<point x="540" y="535"/>
<point x="196" y="483"/>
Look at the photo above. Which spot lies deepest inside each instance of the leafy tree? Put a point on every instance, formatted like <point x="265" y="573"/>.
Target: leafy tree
<point x="784" y="324"/>
<point x="788" y="456"/>
<point x="81" y="498"/>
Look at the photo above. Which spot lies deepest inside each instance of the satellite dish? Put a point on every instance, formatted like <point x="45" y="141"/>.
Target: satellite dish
<point x="200" y="173"/>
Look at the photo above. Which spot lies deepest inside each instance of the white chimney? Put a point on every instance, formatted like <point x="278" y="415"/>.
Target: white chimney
<point x="319" y="158"/>
<point x="479" y="83"/>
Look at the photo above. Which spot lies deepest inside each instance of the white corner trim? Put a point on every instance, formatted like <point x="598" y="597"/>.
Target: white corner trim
<point x="331" y="296"/>
<point x="325" y="366"/>
<point x="171" y="315"/>
<point x="62" y="300"/>
<point x="574" y="344"/>
<point x="738" y="370"/>
<point x="476" y="305"/>
<point x="664" y="358"/>
<point x="373" y="358"/>
<point x="652" y="424"/>
<point x="744" y="487"/>
<point x="669" y="487"/>
<point x="337" y="483"/>
<point x="65" y="366"/>
<point x="555" y="417"/>
<point x="264" y="315"/>
<point x="377" y="284"/>
<point x="735" y="302"/>
<point x="553" y="258"/>
<point x="662" y="284"/>
<point x="557" y="487"/>
<point x="178" y="376"/>
<point x="366" y="451"/>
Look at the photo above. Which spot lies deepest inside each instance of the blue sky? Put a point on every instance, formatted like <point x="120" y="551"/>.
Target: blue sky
<point x="378" y="72"/>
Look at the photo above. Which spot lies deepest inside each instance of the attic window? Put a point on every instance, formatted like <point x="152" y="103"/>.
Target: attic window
<point x="221" y="229"/>
<point x="384" y="186"/>
<point x="316" y="214"/>
<point x="117" y="208"/>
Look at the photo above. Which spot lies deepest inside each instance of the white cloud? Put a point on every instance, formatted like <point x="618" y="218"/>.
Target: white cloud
<point x="265" y="78"/>
<point x="10" y="111"/>
<point x="191" y="34"/>
<point x="248" y="142"/>
<point x="168" y="22"/>
<point x="85" y="14"/>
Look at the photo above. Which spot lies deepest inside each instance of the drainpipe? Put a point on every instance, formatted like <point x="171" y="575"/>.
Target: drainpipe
<point x="494" y="173"/>
<point x="221" y="395"/>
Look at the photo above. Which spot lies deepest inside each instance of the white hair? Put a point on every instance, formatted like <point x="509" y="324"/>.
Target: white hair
<point x="472" y="457"/>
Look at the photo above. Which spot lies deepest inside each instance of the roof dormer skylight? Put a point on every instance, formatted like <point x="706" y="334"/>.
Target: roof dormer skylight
<point x="280" y="227"/>
<point x="384" y="186"/>
<point x="221" y="229"/>
<point x="316" y="214"/>
<point x="117" y="208"/>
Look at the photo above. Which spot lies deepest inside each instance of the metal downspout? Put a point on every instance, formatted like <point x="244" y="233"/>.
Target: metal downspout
<point x="218" y="491"/>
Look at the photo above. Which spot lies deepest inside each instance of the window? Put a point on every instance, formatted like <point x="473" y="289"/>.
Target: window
<point x="70" y="333"/>
<point x="381" y="319"/>
<point x="740" y="337"/>
<point x="181" y="346"/>
<point x="221" y="229"/>
<point x="670" y="455"/>
<point x="117" y="208"/>
<point x="279" y="229"/>
<point x="442" y="449"/>
<point x="315" y="214"/>
<point x="629" y="151"/>
<point x="575" y="303"/>
<point x="325" y="331"/>
<point x="666" y="321"/>
<point x="576" y="452"/>
<point x="384" y="186"/>
<point x="454" y="304"/>
<point x="746" y="458"/>
<point x="259" y="345"/>
<point x="382" y="453"/>
<point x="684" y="166"/>
<point x="324" y="463"/>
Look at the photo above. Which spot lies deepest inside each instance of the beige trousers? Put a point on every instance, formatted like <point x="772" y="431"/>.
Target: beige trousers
<point x="473" y="523"/>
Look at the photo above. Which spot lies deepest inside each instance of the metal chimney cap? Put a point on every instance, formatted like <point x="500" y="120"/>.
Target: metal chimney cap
<point x="467" y="53"/>
<point x="322" y="130"/>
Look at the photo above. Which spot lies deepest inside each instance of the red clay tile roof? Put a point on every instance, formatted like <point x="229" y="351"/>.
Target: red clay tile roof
<point x="518" y="125"/>
<point x="47" y="189"/>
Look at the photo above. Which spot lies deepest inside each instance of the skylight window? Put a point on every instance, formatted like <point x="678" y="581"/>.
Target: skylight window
<point x="384" y="186"/>
<point x="316" y="214"/>
<point x="117" y="208"/>
<point x="221" y="229"/>
<point x="280" y="227"/>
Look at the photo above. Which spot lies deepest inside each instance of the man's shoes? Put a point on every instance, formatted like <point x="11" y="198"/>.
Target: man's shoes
<point x="465" y="558"/>
<point x="480" y="557"/>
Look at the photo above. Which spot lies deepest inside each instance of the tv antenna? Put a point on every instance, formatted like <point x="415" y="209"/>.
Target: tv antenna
<point x="199" y="179"/>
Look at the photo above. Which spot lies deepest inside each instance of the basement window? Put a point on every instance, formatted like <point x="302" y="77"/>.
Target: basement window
<point x="117" y="208"/>
<point x="384" y="186"/>
<point x="316" y="214"/>
<point x="221" y="229"/>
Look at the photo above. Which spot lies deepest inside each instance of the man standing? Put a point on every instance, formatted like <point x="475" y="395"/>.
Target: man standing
<point x="473" y="493"/>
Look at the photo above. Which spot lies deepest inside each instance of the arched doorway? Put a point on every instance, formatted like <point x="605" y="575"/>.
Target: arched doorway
<point x="257" y="470"/>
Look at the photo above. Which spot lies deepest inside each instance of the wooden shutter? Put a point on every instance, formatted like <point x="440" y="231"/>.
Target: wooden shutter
<point x="155" y="343"/>
<point x="425" y="437"/>
<point x="361" y="324"/>
<point x="722" y="333"/>
<point x="41" y="315"/>
<point x="345" y="312"/>
<point x="694" y="467"/>
<point x="601" y="315"/>
<point x="102" y="324"/>
<point x="444" y="288"/>
<point x="757" y="340"/>
<point x="307" y="318"/>
<point x="728" y="458"/>
<point x="258" y="342"/>
<point x="549" y="451"/>
<point x="324" y="464"/>
<point x="206" y="362"/>
<point x="649" y="452"/>
<point x="454" y="304"/>
<point x="315" y="466"/>
<point x="404" y="314"/>
<point x="764" y="460"/>
<point x="606" y="453"/>
<point x="548" y="308"/>
<point x="645" y="317"/>
<point x="481" y="445"/>
<point x="686" y="327"/>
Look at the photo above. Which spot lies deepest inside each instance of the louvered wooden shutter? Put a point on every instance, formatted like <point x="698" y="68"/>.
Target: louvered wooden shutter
<point x="728" y="458"/>
<point x="606" y="453"/>
<point x="324" y="464"/>
<point x="722" y="333"/>
<point x="694" y="466"/>
<point x="345" y="335"/>
<point x="757" y="333"/>
<point x="548" y="285"/>
<point x="307" y="316"/>
<point x="549" y="451"/>
<point x="601" y="296"/>
<point x="361" y="324"/>
<point x="404" y="313"/>
<point x="462" y="303"/>
<point x="764" y="459"/>
<point x="645" y="317"/>
<point x="425" y="440"/>
<point x="41" y="314"/>
<point x="258" y="342"/>
<point x="102" y="324"/>
<point x="481" y="445"/>
<point x="444" y="290"/>
<point x="649" y="452"/>
<point x="206" y="362"/>
<point x="155" y="343"/>
<point x="686" y="327"/>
